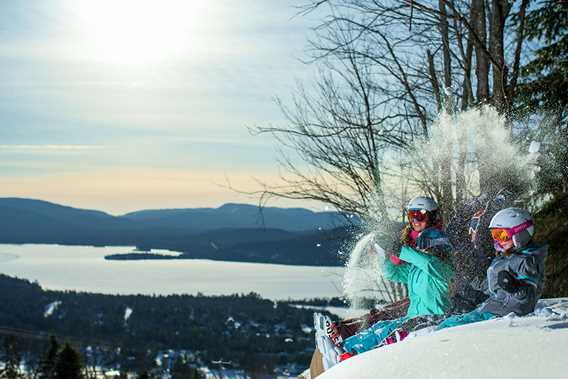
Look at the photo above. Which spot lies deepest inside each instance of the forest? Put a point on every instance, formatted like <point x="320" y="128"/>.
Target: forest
<point x="243" y="331"/>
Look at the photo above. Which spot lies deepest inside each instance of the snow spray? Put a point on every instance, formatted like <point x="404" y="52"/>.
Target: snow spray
<point x="477" y="150"/>
<point x="363" y="279"/>
<point x="478" y="145"/>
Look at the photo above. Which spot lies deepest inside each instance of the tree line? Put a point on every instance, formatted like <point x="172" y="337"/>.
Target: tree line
<point x="130" y="331"/>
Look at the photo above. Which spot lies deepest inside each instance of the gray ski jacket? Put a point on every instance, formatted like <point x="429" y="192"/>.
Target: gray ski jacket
<point x="526" y="267"/>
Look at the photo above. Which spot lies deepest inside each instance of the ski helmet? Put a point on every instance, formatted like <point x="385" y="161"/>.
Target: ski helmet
<point x="422" y="203"/>
<point x="517" y="223"/>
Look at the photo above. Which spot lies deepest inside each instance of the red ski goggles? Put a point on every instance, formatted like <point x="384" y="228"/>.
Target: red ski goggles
<point x="501" y="234"/>
<point x="418" y="215"/>
<point x="506" y="234"/>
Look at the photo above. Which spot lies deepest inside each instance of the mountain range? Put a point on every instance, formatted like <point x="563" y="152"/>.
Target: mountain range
<point x="238" y="232"/>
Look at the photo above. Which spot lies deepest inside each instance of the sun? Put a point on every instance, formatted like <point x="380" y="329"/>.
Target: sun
<point x="137" y="31"/>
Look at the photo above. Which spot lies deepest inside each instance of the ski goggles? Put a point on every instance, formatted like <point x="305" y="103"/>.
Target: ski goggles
<point x="418" y="215"/>
<point x="506" y="234"/>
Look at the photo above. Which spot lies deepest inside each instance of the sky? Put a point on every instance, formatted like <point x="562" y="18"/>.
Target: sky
<point x="121" y="105"/>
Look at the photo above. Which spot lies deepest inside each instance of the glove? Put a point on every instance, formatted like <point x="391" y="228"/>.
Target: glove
<point x="478" y="285"/>
<point x="508" y="282"/>
<point x="396" y="260"/>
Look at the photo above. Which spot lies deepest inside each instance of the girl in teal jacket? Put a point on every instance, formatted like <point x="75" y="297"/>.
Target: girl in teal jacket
<point x="423" y="265"/>
<point x="424" y="260"/>
<point x="426" y="272"/>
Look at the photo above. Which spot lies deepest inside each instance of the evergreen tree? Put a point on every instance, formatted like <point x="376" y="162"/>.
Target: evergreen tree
<point x="49" y="360"/>
<point x="181" y="370"/>
<point x="68" y="364"/>
<point x="544" y="91"/>
<point x="11" y="368"/>
<point x="545" y="77"/>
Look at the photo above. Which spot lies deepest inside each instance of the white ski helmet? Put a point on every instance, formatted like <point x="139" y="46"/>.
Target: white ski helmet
<point x="422" y="203"/>
<point x="519" y="222"/>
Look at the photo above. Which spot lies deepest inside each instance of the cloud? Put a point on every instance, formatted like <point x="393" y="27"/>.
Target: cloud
<point x="52" y="148"/>
<point x="119" y="137"/>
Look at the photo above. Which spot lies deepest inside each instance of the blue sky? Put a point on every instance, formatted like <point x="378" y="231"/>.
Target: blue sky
<point x="123" y="105"/>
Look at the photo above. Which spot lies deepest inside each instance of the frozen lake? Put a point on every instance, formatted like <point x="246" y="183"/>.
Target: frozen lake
<point x="83" y="268"/>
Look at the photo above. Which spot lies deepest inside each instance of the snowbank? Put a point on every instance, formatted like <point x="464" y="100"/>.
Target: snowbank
<point x="51" y="308"/>
<point x="511" y="347"/>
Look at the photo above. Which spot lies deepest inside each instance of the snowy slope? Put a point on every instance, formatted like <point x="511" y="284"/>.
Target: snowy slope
<point x="51" y="308"/>
<point x="511" y="347"/>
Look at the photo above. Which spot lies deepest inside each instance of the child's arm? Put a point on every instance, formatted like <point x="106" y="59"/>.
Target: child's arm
<point x="425" y="262"/>
<point x="395" y="273"/>
<point x="520" y="284"/>
<point x="526" y="271"/>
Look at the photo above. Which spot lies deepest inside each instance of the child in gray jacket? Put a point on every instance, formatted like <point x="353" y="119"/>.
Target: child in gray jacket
<point x="515" y="277"/>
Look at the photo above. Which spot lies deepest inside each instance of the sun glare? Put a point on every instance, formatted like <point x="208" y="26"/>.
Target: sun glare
<point x="138" y="31"/>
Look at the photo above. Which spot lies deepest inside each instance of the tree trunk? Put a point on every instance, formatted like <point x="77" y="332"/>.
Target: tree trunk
<point x="446" y="165"/>
<point x="482" y="60"/>
<point x="434" y="81"/>
<point x="446" y="49"/>
<point x="512" y="87"/>
<point x="499" y="13"/>
<point x="467" y="87"/>
<point x="467" y="99"/>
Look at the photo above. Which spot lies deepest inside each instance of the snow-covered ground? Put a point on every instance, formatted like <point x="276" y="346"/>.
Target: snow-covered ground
<point x="534" y="346"/>
<point x="127" y="313"/>
<point x="51" y="308"/>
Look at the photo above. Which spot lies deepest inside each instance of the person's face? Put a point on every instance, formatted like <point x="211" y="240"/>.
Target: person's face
<point x="503" y="237"/>
<point x="419" y="225"/>
<point x="506" y="245"/>
<point x="418" y="220"/>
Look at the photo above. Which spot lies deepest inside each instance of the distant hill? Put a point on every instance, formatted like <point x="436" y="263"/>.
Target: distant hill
<point x="27" y="220"/>
<point x="235" y="232"/>
<point x="239" y="216"/>
<point x="15" y="206"/>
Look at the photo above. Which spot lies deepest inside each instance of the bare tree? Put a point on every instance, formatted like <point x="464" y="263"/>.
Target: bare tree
<point x="388" y="68"/>
<point x="338" y="135"/>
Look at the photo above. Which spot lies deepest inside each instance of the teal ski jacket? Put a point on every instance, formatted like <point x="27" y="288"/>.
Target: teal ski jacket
<point x="427" y="278"/>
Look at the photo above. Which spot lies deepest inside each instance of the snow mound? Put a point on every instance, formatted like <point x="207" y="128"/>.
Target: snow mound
<point x="51" y="308"/>
<point x="127" y="313"/>
<point x="533" y="346"/>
